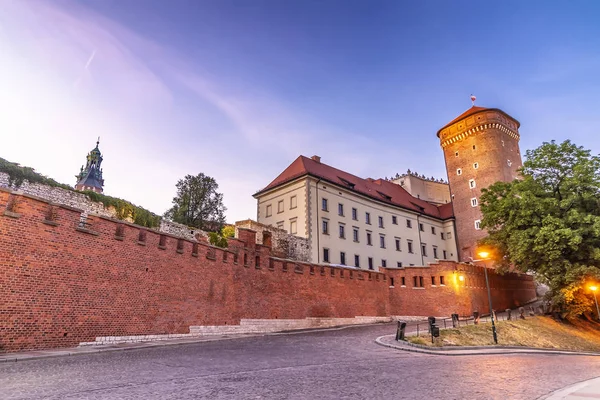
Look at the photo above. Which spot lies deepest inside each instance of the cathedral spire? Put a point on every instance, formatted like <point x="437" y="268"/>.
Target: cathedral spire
<point x="90" y="176"/>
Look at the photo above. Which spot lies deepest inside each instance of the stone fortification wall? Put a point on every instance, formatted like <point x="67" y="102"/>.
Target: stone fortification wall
<point x="63" y="283"/>
<point x="282" y="244"/>
<point x="80" y="201"/>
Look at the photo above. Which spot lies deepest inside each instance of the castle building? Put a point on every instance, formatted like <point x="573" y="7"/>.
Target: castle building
<point x="408" y="220"/>
<point x="348" y="220"/>
<point x="428" y="189"/>
<point x="90" y="176"/>
<point x="481" y="147"/>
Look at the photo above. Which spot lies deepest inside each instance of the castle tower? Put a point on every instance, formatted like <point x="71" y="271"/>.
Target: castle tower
<point x="90" y="177"/>
<point x="481" y="147"/>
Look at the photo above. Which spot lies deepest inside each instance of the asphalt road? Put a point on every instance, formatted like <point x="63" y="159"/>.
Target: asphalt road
<point x="338" y="364"/>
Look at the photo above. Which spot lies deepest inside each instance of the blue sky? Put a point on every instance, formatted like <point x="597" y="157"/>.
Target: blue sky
<point x="239" y="89"/>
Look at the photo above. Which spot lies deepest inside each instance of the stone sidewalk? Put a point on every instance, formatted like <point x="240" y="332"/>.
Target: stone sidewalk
<point x="589" y="389"/>
<point x="390" y="341"/>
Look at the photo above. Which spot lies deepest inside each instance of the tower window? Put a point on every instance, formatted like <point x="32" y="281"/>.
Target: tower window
<point x="473" y="147"/>
<point x="456" y="154"/>
<point x="502" y="143"/>
<point x="474" y="202"/>
<point x="478" y="225"/>
<point x="472" y="183"/>
<point x="475" y="165"/>
<point x="459" y="171"/>
<point x="509" y="162"/>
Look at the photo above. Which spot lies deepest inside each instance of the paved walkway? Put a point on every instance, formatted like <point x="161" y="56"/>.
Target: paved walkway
<point x="589" y="389"/>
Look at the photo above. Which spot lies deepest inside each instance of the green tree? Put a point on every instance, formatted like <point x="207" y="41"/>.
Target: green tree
<point x="219" y="239"/>
<point x="548" y="222"/>
<point x="198" y="203"/>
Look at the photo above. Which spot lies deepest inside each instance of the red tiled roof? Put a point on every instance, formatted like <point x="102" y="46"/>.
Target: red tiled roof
<point x="471" y="111"/>
<point x="380" y="190"/>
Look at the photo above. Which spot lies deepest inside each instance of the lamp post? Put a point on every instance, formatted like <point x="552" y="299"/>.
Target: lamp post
<point x="593" y="289"/>
<point x="484" y="256"/>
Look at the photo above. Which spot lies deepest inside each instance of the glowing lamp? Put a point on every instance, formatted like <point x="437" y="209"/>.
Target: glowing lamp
<point x="483" y="254"/>
<point x="593" y="288"/>
<point x="461" y="278"/>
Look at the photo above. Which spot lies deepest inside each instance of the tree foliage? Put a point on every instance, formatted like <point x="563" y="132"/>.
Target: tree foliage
<point x="548" y="221"/>
<point x="198" y="203"/>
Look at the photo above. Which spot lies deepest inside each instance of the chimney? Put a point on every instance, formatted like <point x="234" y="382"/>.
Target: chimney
<point x="316" y="158"/>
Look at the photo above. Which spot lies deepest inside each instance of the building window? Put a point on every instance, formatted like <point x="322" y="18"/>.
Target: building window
<point x="433" y="281"/>
<point x="444" y="254"/>
<point x="391" y="282"/>
<point x="342" y="258"/>
<point x="382" y="242"/>
<point x="456" y="154"/>
<point x="435" y="252"/>
<point x="326" y="255"/>
<point x="394" y="220"/>
<point x="459" y="171"/>
<point x="355" y="214"/>
<point x="475" y="165"/>
<point x="269" y="210"/>
<point x="433" y="230"/>
<point x="502" y="143"/>
<point x="280" y="225"/>
<point x="421" y="281"/>
<point x="384" y="263"/>
<point x="324" y="204"/>
<point x="421" y="228"/>
<point x="380" y="221"/>
<point x="355" y="234"/>
<point x="280" y="206"/>
<point x="369" y="242"/>
<point x="408" y="223"/>
<point x="325" y="226"/>
<point x="509" y="162"/>
<point x="370" y="261"/>
<point x="478" y="224"/>
<point x="342" y="232"/>
<point x="442" y="281"/>
<point x="409" y="245"/>
<point x="474" y="202"/>
<point x="399" y="265"/>
<point x="293" y="227"/>
<point x="472" y="183"/>
<point x="357" y="261"/>
<point x="368" y="218"/>
<point x="340" y="209"/>
<point x="448" y="235"/>
<point x="473" y="147"/>
<point x="424" y="249"/>
<point x="397" y="244"/>
<point x="416" y="281"/>
<point x="293" y="202"/>
<point x="402" y="279"/>
<point x="442" y="235"/>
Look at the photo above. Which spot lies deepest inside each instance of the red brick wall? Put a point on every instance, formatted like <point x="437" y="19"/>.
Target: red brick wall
<point x="61" y="285"/>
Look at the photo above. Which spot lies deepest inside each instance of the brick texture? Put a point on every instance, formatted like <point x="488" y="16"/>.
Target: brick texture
<point x="489" y="139"/>
<point x="63" y="282"/>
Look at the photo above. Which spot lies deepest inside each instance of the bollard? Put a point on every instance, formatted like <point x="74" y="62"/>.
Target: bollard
<point x="475" y="317"/>
<point x="508" y="313"/>
<point x="400" y="331"/>
<point x="455" y="320"/>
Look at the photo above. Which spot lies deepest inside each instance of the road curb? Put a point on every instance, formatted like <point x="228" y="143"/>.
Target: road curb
<point x="405" y="346"/>
<point x="78" y="351"/>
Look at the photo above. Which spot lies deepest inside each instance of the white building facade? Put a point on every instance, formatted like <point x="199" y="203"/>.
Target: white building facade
<point x="357" y="222"/>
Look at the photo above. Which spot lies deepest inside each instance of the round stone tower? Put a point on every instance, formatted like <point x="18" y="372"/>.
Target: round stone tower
<point x="481" y="147"/>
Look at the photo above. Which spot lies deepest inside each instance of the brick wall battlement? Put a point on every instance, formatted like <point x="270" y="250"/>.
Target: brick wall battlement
<point x="63" y="282"/>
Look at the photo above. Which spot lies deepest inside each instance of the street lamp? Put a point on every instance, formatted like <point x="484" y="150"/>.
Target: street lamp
<point x="485" y="256"/>
<point x="593" y="289"/>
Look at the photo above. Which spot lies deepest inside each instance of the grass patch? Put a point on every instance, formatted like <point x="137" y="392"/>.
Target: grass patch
<point x="539" y="332"/>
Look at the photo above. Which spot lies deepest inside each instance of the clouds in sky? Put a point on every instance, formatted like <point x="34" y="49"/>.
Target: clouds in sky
<point x="352" y="88"/>
<point x="73" y="75"/>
